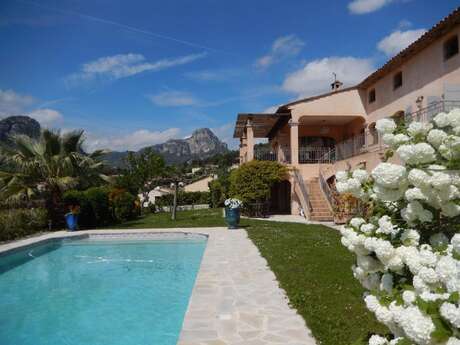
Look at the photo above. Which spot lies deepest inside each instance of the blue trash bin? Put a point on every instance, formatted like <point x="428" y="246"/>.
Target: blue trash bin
<point x="232" y="217"/>
<point x="71" y="221"/>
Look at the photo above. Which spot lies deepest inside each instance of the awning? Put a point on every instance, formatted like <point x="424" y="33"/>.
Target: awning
<point x="262" y="124"/>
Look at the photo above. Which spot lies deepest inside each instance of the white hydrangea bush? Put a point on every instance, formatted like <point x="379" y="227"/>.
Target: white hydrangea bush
<point x="407" y="244"/>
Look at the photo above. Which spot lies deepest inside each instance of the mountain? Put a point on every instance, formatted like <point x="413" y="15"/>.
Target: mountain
<point x="18" y="125"/>
<point x="202" y="144"/>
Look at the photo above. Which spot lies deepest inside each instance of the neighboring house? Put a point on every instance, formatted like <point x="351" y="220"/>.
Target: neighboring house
<point x="320" y="135"/>
<point x="202" y="185"/>
<point x="154" y="193"/>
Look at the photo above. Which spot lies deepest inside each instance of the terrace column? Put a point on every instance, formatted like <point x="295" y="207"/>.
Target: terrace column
<point x="242" y="149"/>
<point x="294" y="142"/>
<point x="250" y="141"/>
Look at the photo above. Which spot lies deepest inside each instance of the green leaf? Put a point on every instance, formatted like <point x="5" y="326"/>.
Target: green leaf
<point x="442" y="331"/>
<point x="454" y="297"/>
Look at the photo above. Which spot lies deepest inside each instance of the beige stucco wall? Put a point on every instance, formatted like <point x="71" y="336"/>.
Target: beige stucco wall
<point x="426" y="74"/>
<point x="200" y="185"/>
<point x="346" y="103"/>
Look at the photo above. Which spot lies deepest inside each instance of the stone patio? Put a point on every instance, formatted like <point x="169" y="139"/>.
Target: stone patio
<point x="236" y="299"/>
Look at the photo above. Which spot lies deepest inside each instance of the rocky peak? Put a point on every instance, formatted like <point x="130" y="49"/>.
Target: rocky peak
<point x="18" y="125"/>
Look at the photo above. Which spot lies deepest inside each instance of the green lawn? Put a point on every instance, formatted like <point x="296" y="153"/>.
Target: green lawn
<point x="311" y="265"/>
<point x="184" y="219"/>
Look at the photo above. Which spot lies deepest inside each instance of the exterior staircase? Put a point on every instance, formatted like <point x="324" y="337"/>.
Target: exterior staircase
<point x="320" y="210"/>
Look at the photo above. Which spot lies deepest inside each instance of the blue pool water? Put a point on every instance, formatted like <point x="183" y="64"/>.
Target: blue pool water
<point x="92" y="292"/>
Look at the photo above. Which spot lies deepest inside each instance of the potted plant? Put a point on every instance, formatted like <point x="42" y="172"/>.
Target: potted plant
<point x="232" y="213"/>
<point x="71" y="218"/>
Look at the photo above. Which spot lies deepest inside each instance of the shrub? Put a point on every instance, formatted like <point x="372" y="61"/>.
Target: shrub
<point x="98" y="199"/>
<point x="124" y="206"/>
<point x="407" y="242"/>
<point x="184" y="198"/>
<point x="252" y="181"/>
<point x="17" y="223"/>
<point x="218" y="193"/>
<point x="101" y="206"/>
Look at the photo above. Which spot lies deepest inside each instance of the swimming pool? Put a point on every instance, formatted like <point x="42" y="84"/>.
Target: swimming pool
<point x="98" y="291"/>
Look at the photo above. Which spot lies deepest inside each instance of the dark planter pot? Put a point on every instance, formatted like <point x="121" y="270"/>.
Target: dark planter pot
<point x="72" y="221"/>
<point x="232" y="217"/>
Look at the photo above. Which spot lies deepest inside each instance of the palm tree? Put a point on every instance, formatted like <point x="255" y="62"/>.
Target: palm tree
<point x="47" y="167"/>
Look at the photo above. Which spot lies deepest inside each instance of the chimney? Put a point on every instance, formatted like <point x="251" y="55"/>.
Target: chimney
<point x="336" y="84"/>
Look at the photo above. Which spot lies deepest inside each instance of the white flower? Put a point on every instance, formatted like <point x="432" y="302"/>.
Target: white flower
<point x="440" y="180"/>
<point x="417" y="326"/>
<point x="433" y="297"/>
<point x="377" y="340"/>
<point x="389" y="175"/>
<point x="357" y="222"/>
<point x="428" y="275"/>
<point x="436" y="137"/>
<point x="388" y="194"/>
<point x="386" y="284"/>
<point x="451" y="313"/>
<point x="415" y="211"/>
<point x="450" y="209"/>
<point x="418" y="178"/>
<point x="386" y="226"/>
<point x="420" y="153"/>
<point x="442" y="120"/>
<point x="372" y="303"/>
<point x="368" y="263"/>
<point x="395" y="140"/>
<point x="414" y="194"/>
<point x="455" y="241"/>
<point x="368" y="229"/>
<point x="361" y="175"/>
<point x="385" y="126"/>
<point x="409" y="297"/>
<point x="341" y="176"/>
<point x="342" y="187"/>
<point x="454" y="117"/>
<point x="453" y="341"/>
<point x="439" y="240"/>
<point x="446" y="268"/>
<point x="419" y="128"/>
<point x="233" y="203"/>
<point x="389" y="139"/>
<point x="410" y="237"/>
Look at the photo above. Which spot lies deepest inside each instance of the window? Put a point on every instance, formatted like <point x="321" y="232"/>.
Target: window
<point x="372" y="96"/>
<point x="451" y="47"/>
<point x="374" y="134"/>
<point x="397" y="80"/>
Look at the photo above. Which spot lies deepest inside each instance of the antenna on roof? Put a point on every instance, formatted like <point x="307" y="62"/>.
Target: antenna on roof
<point x="336" y="84"/>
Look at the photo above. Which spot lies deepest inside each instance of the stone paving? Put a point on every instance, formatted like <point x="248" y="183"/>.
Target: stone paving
<point x="236" y="299"/>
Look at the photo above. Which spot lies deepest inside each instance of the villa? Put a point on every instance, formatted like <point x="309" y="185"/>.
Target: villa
<point x="320" y="135"/>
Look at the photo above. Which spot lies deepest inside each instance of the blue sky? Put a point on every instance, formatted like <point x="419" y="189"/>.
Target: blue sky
<point x="136" y="73"/>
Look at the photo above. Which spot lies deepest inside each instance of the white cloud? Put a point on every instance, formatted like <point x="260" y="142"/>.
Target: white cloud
<point x="12" y="103"/>
<point x="132" y="141"/>
<point x="46" y="117"/>
<point x="316" y="76"/>
<point x="282" y="47"/>
<point x="398" y="40"/>
<point x="366" y="6"/>
<point x="217" y="75"/>
<point x="125" y="65"/>
<point x="173" y="99"/>
<point x="271" y="110"/>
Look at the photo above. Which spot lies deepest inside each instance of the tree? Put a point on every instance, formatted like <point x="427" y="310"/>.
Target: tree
<point x="141" y="171"/>
<point x="252" y="181"/>
<point x="46" y="167"/>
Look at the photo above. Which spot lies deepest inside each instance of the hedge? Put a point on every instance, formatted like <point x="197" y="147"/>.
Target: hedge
<point x="102" y="206"/>
<point x="15" y="223"/>
<point x="184" y="198"/>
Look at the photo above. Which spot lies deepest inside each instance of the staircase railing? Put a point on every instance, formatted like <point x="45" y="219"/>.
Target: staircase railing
<point x="327" y="190"/>
<point x="304" y="195"/>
